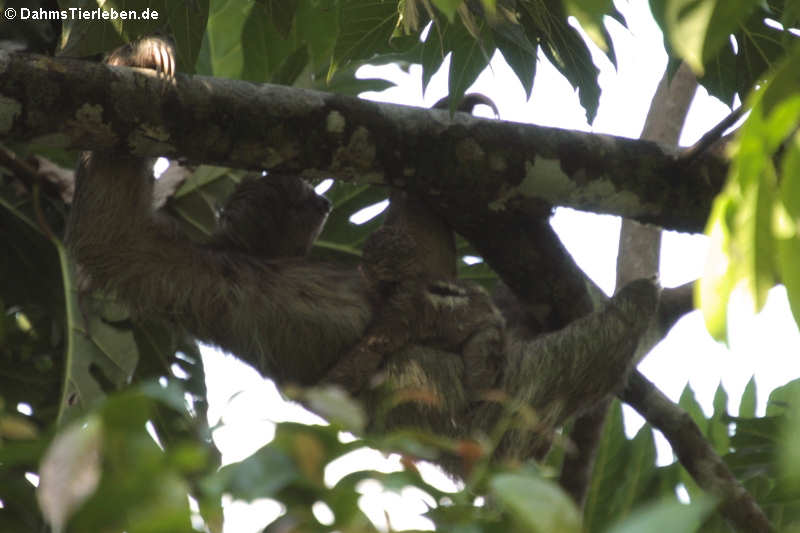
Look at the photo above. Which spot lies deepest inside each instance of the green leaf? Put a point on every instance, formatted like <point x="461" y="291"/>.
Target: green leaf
<point x="539" y="506"/>
<point x="281" y="14"/>
<point x="448" y="7"/>
<point x="188" y="25"/>
<point x="590" y="15"/>
<point x="720" y="402"/>
<point x="186" y="21"/>
<point x="140" y="489"/>
<point x="433" y="54"/>
<point x="222" y="43"/>
<point x="752" y="231"/>
<point x="366" y="26"/>
<point x="787" y="398"/>
<point x="689" y="403"/>
<point x="341" y="240"/>
<point x="353" y="86"/>
<point x="791" y="16"/>
<point x="33" y="296"/>
<point x="241" y="42"/>
<point x="261" y="475"/>
<point x="19" y="511"/>
<point x="518" y="51"/>
<point x="697" y="29"/>
<point x="196" y="203"/>
<point x="718" y="423"/>
<point x="789" y="248"/>
<point x="754" y="433"/>
<point x="70" y="471"/>
<point x="546" y="23"/>
<point x="783" y="398"/>
<point x="730" y="71"/>
<point x="101" y="354"/>
<point x="469" y="58"/>
<point x="318" y="26"/>
<point x="337" y="406"/>
<point x="747" y="406"/>
<point x="265" y="52"/>
<point x="781" y="102"/>
<point x="667" y="516"/>
<point x="754" y="234"/>
<point x="788" y="261"/>
<point x="624" y="474"/>
<point x="479" y="273"/>
<point x="609" y="464"/>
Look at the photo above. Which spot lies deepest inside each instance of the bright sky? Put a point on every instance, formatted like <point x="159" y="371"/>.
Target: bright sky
<point x="765" y="345"/>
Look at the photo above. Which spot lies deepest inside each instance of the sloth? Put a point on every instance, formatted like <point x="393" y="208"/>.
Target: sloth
<point x="268" y="217"/>
<point x="252" y="292"/>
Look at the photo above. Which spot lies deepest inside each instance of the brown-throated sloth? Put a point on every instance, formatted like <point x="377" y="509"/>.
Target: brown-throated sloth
<point x="293" y="319"/>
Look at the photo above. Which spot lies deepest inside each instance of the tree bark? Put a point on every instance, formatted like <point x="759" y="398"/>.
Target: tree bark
<point x="457" y="163"/>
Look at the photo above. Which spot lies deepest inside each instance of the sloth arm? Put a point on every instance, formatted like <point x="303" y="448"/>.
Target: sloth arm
<point x="290" y="318"/>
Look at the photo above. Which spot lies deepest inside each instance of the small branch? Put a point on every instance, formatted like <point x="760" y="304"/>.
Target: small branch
<point x="696" y="454"/>
<point x="33" y="181"/>
<point x="54" y="180"/>
<point x="26" y="173"/>
<point x="711" y="136"/>
<point x="674" y="304"/>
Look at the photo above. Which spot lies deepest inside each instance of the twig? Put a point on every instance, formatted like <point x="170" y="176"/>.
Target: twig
<point x="673" y="305"/>
<point x="33" y="182"/>
<point x="711" y="136"/>
<point x="696" y="454"/>
<point x="23" y="171"/>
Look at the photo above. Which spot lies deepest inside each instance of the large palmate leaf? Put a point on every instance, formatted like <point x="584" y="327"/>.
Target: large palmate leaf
<point x="753" y="222"/>
<point x="545" y="22"/>
<point x="186" y="22"/>
<point x="730" y="45"/>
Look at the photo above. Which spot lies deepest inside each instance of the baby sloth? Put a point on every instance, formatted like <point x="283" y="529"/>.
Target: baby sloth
<point x="278" y="215"/>
<point x="412" y="307"/>
<point x="410" y="266"/>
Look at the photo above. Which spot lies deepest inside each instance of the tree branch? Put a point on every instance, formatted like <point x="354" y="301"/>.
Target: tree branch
<point x="712" y="136"/>
<point x="696" y="454"/>
<point x="674" y="304"/>
<point x="459" y="163"/>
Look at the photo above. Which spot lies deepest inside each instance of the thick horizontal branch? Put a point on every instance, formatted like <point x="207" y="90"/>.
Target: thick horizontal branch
<point x="460" y="164"/>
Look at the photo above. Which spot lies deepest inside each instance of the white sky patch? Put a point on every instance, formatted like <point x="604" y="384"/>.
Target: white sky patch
<point x="368" y="213"/>
<point x="323" y="186"/>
